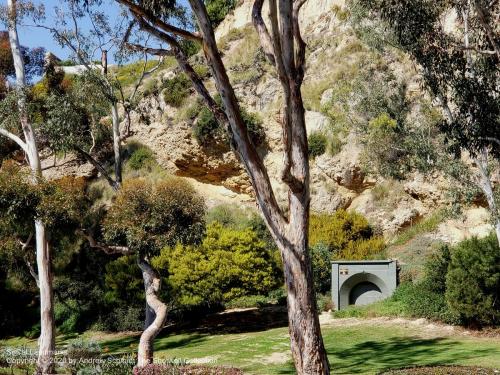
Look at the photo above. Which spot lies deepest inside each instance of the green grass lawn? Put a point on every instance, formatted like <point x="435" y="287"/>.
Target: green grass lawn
<point x="357" y="349"/>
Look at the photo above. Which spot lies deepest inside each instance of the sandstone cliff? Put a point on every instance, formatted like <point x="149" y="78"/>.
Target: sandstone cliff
<point x="338" y="181"/>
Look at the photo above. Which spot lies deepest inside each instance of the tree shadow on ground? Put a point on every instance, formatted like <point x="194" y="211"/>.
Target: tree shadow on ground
<point x="242" y="321"/>
<point x="398" y="352"/>
<point x="121" y="345"/>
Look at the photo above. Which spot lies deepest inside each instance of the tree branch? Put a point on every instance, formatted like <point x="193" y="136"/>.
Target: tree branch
<point x="300" y="57"/>
<point x="482" y="17"/>
<point x="31" y="269"/>
<point x="259" y="24"/>
<point x="108" y="249"/>
<point x="15" y="138"/>
<point x="98" y="166"/>
<point x="158" y="23"/>
<point x="152" y="51"/>
<point x="182" y="60"/>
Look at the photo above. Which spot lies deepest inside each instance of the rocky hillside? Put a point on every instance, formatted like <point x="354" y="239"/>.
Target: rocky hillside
<point x="339" y="179"/>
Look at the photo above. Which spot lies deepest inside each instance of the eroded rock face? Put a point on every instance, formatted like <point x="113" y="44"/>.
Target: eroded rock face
<point x="69" y="165"/>
<point x="338" y="181"/>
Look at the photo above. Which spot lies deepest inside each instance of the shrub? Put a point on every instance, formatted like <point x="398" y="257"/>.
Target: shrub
<point x="343" y="235"/>
<point x="317" y="144"/>
<point x="334" y="145"/>
<point x="254" y="126"/>
<point x="123" y="282"/>
<point x="33" y="332"/>
<point x="78" y="353"/>
<point x="206" y="129"/>
<point x="348" y="235"/>
<point x="325" y="302"/>
<point x="149" y="215"/>
<point x="176" y="89"/>
<point x="421" y="301"/>
<point x="218" y="9"/>
<point x="277" y="296"/>
<point x="321" y="257"/>
<point x="67" y="316"/>
<point x="473" y="281"/>
<point x="128" y="318"/>
<point x="141" y="158"/>
<point x="228" y="264"/>
<point x="156" y="369"/>
<point x="229" y="216"/>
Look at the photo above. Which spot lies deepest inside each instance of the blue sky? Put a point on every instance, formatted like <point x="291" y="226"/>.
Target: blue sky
<point x="36" y="37"/>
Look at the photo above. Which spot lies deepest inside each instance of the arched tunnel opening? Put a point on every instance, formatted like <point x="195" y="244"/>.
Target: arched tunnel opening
<point x="364" y="293"/>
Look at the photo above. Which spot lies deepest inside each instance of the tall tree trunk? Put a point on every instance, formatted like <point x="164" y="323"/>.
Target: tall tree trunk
<point x="152" y="284"/>
<point x="117" y="144"/>
<point x="46" y="342"/>
<point x="307" y="345"/>
<point x="115" y="118"/>
<point x="306" y="342"/>
<point x="45" y="364"/>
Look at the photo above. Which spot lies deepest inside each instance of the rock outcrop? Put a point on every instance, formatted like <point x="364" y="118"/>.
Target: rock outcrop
<point x="338" y="181"/>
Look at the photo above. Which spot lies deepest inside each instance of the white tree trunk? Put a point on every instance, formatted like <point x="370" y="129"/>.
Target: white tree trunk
<point x="45" y="363"/>
<point x="117" y="144"/>
<point x="46" y="341"/>
<point x="152" y="284"/>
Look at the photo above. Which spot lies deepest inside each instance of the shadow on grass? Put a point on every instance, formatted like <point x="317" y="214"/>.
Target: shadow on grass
<point x="398" y="352"/>
<point x="249" y="320"/>
<point x="122" y="345"/>
<point x="195" y="332"/>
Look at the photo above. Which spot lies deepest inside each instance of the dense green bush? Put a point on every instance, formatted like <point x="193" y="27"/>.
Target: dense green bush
<point x="176" y="89"/>
<point x="207" y="130"/>
<point x="124" y="296"/>
<point x="321" y="257"/>
<point x="141" y="158"/>
<point x="317" y="143"/>
<point x="421" y="301"/>
<point x="218" y="9"/>
<point x="473" y="281"/>
<point x="348" y="235"/>
<point x="228" y="264"/>
<point x="343" y="235"/>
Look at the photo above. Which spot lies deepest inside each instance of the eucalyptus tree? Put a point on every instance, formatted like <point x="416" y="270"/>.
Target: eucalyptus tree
<point x="285" y="50"/>
<point x="87" y="47"/>
<point x="29" y="146"/>
<point x="459" y="66"/>
<point x="144" y="218"/>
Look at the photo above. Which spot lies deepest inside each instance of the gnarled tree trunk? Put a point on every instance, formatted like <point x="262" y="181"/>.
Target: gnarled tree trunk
<point x="152" y="284"/>
<point x="45" y="363"/>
